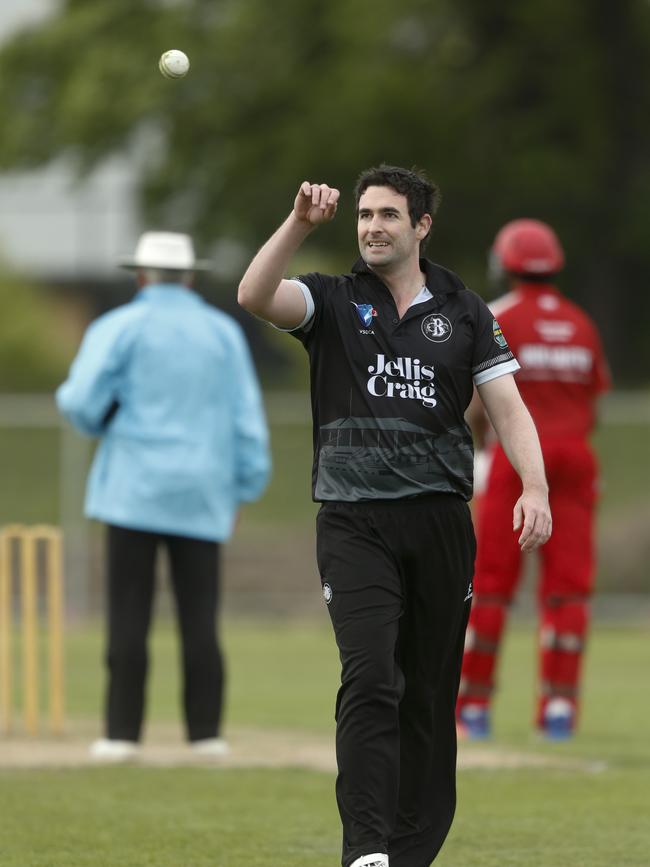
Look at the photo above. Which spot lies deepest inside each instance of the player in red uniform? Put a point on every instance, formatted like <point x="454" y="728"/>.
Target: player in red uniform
<point x="563" y="371"/>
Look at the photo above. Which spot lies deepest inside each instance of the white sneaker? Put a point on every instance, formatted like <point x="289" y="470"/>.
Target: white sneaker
<point x="559" y="719"/>
<point x="211" y="747"/>
<point x="379" y="859"/>
<point x="106" y="750"/>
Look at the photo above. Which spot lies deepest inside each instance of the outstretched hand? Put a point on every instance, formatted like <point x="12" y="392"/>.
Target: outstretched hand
<point x="316" y="203"/>
<point x="533" y="515"/>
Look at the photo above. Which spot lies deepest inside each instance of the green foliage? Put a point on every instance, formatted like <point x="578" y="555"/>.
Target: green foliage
<point x="33" y="356"/>
<point x="519" y="109"/>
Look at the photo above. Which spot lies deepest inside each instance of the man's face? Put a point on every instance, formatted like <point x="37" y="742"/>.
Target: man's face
<point x="386" y="236"/>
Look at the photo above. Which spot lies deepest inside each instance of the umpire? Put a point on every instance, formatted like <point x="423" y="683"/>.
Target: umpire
<point x="394" y="349"/>
<point x="167" y="384"/>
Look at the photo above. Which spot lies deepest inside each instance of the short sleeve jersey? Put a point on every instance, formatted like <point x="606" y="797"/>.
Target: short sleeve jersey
<point x="389" y="394"/>
<point x="563" y="366"/>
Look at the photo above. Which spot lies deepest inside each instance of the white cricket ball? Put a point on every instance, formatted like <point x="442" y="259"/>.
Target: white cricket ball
<point x="174" y="63"/>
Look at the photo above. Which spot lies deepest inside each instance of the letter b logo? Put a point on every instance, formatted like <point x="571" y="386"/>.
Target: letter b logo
<point x="436" y="328"/>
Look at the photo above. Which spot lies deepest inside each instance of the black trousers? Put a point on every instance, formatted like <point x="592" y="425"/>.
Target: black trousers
<point x="131" y="582"/>
<point x="397" y="575"/>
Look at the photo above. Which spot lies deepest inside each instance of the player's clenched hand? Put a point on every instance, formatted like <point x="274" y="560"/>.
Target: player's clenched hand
<point x="533" y="515"/>
<point x="316" y="203"/>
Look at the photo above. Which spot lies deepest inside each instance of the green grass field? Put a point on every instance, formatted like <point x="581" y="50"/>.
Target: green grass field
<point x="592" y="810"/>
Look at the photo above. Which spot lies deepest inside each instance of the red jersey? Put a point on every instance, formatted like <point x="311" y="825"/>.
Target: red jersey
<point x="563" y="367"/>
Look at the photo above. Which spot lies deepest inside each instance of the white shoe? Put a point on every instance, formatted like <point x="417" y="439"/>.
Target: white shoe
<point x="105" y="750"/>
<point x="379" y="859"/>
<point x="559" y="720"/>
<point x="211" y="747"/>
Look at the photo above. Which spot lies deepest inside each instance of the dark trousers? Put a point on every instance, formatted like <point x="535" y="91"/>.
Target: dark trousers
<point x="131" y="581"/>
<point x="398" y="578"/>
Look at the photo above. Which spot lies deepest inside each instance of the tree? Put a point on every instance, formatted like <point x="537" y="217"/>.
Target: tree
<point x="36" y="342"/>
<point x="516" y="109"/>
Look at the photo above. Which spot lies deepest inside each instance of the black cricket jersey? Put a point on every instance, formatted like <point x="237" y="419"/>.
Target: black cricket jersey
<point x="389" y="395"/>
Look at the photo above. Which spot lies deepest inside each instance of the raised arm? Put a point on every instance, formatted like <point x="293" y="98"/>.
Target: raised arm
<point x="518" y="436"/>
<point x="263" y="289"/>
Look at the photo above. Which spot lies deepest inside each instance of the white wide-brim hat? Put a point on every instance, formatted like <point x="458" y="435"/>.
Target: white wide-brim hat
<point x="170" y="251"/>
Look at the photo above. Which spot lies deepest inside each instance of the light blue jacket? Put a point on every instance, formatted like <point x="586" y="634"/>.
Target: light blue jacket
<point x="167" y="383"/>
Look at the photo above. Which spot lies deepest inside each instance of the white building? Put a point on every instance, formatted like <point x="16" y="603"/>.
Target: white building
<point x="50" y="224"/>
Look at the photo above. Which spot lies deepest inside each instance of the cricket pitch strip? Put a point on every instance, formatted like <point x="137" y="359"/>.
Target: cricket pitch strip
<point x="163" y="746"/>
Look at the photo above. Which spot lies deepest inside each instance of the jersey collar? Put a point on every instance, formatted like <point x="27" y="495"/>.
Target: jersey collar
<point x="438" y="287"/>
<point x="431" y="278"/>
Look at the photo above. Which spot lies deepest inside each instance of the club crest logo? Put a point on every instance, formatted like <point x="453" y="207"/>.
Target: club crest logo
<point x="499" y="339"/>
<point x="327" y="593"/>
<point x="366" y="313"/>
<point x="436" y="328"/>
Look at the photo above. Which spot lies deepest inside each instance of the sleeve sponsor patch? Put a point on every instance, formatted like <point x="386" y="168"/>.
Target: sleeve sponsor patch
<point x="499" y="339"/>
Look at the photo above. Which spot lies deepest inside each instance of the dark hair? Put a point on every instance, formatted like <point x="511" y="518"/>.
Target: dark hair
<point x="422" y="196"/>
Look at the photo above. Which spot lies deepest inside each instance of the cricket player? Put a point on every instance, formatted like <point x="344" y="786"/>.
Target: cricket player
<point x="563" y="372"/>
<point x="395" y="348"/>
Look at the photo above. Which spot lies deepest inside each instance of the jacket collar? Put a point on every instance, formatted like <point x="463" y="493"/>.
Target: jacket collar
<point x="166" y="291"/>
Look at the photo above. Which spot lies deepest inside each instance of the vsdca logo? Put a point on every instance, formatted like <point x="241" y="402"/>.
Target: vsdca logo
<point x="366" y="313"/>
<point x="403" y="377"/>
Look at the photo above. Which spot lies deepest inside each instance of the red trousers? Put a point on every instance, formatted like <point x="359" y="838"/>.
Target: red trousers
<point x="567" y="565"/>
